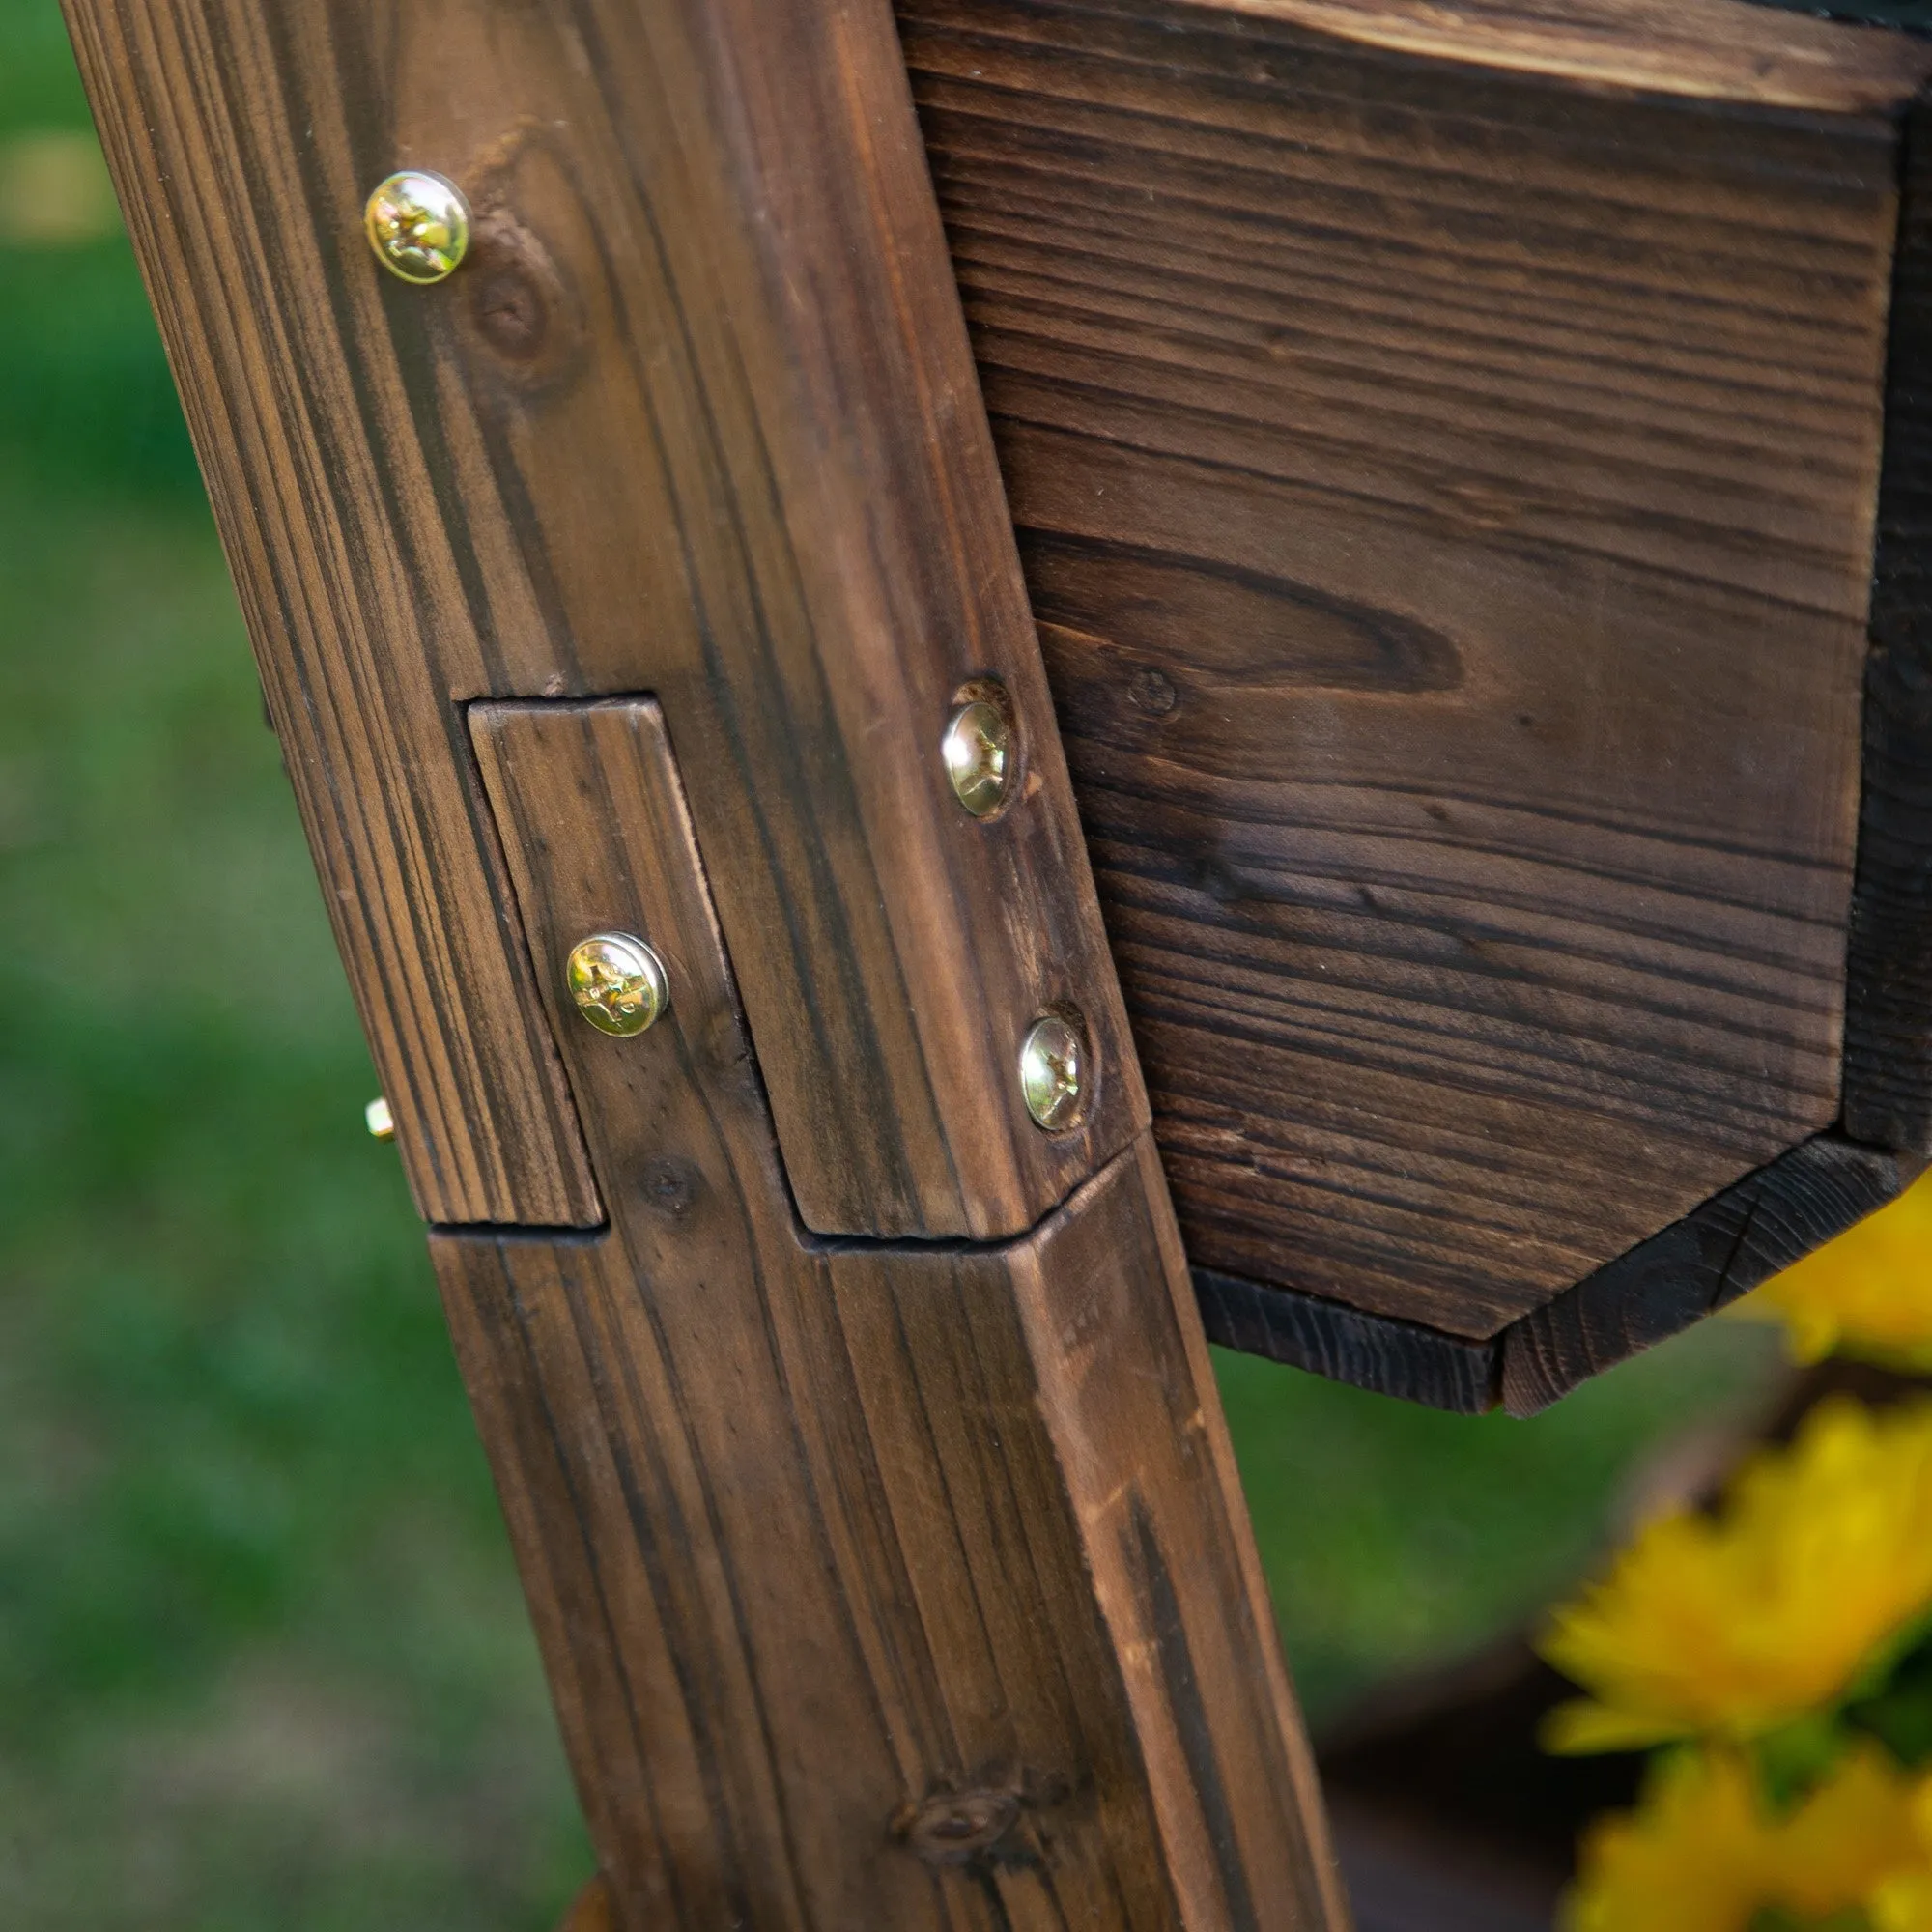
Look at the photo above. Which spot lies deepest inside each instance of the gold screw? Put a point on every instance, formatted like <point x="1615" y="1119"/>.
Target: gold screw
<point x="380" y="1122"/>
<point x="418" y="225"/>
<point x="978" y="752"/>
<point x="1052" y="1073"/>
<point x="618" y="982"/>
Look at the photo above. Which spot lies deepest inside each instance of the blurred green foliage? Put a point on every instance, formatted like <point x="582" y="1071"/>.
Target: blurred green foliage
<point x="262" y="1665"/>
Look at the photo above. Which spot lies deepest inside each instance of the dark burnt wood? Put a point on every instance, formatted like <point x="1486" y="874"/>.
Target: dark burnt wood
<point x="1373" y="1351"/>
<point x="698" y="417"/>
<point x="879" y="1586"/>
<point x="1888" y="1016"/>
<point x="1742" y="1237"/>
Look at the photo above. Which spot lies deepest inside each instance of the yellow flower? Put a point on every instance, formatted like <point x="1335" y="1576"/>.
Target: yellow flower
<point x="1902" y="1903"/>
<point x="1737" y="1624"/>
<point x="1868" y="1293"/>
<point x="1902" y="1900"/>
<point x="1700" y="1853"/>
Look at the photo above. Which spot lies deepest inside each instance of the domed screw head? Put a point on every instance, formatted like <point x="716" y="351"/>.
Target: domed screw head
<point x="618" y="982"/>
<point x="418" y="225"/>
<point x="1053" y="1073"/>
<point x="978" y="752"/>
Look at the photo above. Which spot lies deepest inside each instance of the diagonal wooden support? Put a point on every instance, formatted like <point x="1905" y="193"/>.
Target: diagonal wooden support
<point x="858" y="1437"/>
<point x="879" y="1582"/>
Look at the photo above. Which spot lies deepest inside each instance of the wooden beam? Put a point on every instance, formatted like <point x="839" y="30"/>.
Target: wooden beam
<point x="697" y="418"/>
<point x="879" y="1585"/>
<point x="883" y="1579"/>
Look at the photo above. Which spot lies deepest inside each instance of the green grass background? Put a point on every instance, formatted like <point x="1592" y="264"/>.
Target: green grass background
<point x="263" y="1662"/>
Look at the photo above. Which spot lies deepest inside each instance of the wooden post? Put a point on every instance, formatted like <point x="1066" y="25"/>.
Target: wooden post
<point x="857" y="1438"/>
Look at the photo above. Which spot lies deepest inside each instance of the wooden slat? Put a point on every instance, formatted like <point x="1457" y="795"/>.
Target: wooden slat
<point x="1727" y="1247"/>
<point x="1889" y="1015"/>
<point x="1755" y="54"/>
<point x="356" y="592"/>
<point x="878" y="1586"/>
<point x="1449" y="494"/>
<point x="698" y="417"/>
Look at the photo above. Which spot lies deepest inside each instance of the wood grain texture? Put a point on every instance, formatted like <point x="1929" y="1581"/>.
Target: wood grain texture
<point x="1888" y="1007"/>
<point x="1371" y="1351"/>
<point x="1449" y="499"/>
<point x="1706" y="49"/>
<point x="698" y="416"/>
<point x="1730" y="1244"/>
<point x="879" y="1586"/>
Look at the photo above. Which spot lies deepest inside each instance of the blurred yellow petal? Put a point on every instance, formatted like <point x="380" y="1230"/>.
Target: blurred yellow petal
<point x="1735" y="1624"/>
<point x="1696" y="1856"/>
<point x="1702" y="1853"/>
<point x="1582" y="1726"/>
<point x="1868" y="1293"/>
<point x="1902" y="1903"/>
<point x="1851" y="1833"/>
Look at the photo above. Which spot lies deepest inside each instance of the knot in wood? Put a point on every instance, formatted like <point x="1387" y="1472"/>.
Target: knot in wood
<point x="955" y="1827"/>
<point x="519" y="306"/>
<point x="1152" y="692"/>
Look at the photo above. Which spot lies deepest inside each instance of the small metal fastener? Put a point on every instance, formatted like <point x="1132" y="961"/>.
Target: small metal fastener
<point x="618" y="982"/>
<point x="380" y="1122"/>
<point x="419" y="224"/>
<point x="978" y="752"/>
<point x="1053" y="1073"/>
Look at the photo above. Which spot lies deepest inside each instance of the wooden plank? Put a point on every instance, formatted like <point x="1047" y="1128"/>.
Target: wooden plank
<point x="1373" y="1351"/>
<point x="1888" y="1011"/>
<point x="879" y="1586"/>
<point x="1449" y="494"/>
<point x="353" y="590"/>
<point x="1730" y="1244"/>
<point x="697" y="418"/>
<point x="1703" y="49"/>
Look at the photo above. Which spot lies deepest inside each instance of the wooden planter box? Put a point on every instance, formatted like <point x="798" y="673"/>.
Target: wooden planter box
<point x="1446" y="446"/>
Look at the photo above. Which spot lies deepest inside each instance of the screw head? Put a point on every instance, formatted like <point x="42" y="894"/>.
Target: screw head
<point x="1053" y="1073"/>
<point x="978" y="752"/>
<point x="419" y="224"/>
<point x="618" y="982"/>
<point x="377" y="1118"/>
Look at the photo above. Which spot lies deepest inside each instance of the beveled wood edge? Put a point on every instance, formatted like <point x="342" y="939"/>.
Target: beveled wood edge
<point x="1379" y="1353"/>
<point x="1887" y="1038"/>
<point x="1720" y="1251"/>
<point x="1775" y="1214"/>
<point x="1729" y="1244"/>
